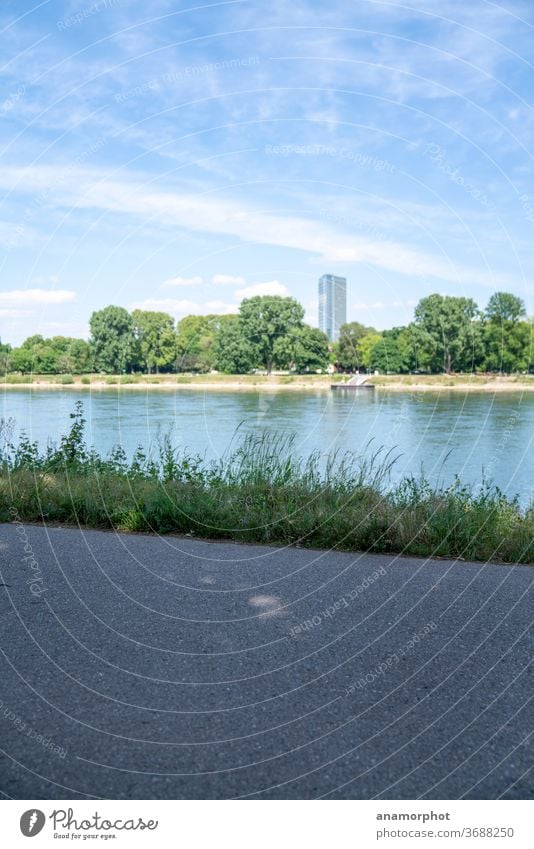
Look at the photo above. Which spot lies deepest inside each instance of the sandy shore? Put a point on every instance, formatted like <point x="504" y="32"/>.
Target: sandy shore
<point x="314" y="384"/>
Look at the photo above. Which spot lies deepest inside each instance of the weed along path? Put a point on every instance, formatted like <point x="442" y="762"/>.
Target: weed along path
<point x="162" y="667"/>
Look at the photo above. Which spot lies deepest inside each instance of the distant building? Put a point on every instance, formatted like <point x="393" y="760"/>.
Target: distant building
<point x="332" y="305"/>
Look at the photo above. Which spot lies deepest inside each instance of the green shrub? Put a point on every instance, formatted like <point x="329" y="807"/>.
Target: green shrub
<point x="18" y="378"/>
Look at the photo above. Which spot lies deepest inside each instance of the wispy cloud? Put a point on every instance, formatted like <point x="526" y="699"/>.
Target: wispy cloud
<point x="327" y="241"/>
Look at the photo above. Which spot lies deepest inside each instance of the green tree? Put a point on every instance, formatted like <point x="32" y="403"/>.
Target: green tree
<point x="311" y="350"/>
<point x="366" y="346"/>
<point x="36" y="354"/>
<point x="395" y="351"/>
<point x="156" y="339"/>
<point x="20" y="359"/>
<point x="81" y="357"/>
<point x="112" y="340"/>
<point x="407" y="344"/>
<point x="265" y="320"/>
<point x="68" y="355"/>
<point x="349" y="353"/>
<point x="507" y="346"/>
<point x="5" y="351"/>
<point x="503" y="306"/>
<point x="448" y="332"/>
<point x="304" y="349"/>
<point x="232" y="353"/>
<point x="195" y="341"/>
<point x="507" y="339"/>
<point x="46" y="359"/>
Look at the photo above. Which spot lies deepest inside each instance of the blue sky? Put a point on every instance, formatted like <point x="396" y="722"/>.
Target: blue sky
<point x="181" y="156"/>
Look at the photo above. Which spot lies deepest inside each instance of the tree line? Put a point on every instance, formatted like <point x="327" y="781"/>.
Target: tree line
<point x="448" y="334"/>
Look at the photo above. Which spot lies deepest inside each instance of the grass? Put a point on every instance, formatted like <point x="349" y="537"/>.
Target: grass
<point x="254" y="381"/>
<point x="17" y="378"/>
<point x="260" y="491"/>
<point x="450" y="379"/>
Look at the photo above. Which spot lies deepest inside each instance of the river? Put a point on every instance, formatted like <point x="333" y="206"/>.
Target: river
<point x="444" y="433"/>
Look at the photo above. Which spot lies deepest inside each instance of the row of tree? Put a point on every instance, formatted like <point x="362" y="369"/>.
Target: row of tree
<point x="447" y="334"/>
<point x="269" y="332"/>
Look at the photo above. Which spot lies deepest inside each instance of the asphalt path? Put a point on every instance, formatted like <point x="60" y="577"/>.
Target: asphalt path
<point x="141" y="667"/>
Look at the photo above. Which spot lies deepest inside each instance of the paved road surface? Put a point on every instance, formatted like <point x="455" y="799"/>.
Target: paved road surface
<point x="138" y="667"/>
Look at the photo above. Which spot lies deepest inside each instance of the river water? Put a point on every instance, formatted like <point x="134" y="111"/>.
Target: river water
<point x="444" y="433"/>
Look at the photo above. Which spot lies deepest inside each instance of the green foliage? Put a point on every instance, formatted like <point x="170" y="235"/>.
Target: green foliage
<point x="78" y="358"/>
<point x="310" y="350"/>
<point x="4" y="358"/>
<point x="113" y="340"/>
<point x="366" y="346"/>
<point x="21" y="360"/>
<point x="303" y="349"/>
<point x="394" y="352"/>
<point x="507" y="346"/>
<point x="233" y="353"/>
<point x="448" y="332"/>
<point x="58" y="355"/>
<point x="386" y="356"/>
<point x="507" y="339"/>
<point x="156" y="340"/>
<point x="350" y="354"/>
<point x="196" y="337"/>
<point x="504" y="307"/>
<point x="266" y="320"/>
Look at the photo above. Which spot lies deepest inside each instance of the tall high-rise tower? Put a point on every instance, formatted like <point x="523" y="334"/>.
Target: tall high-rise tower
<point x="332" y="305"/>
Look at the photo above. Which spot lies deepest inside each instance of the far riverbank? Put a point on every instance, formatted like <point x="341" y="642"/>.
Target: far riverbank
<point x="214" y="382"/>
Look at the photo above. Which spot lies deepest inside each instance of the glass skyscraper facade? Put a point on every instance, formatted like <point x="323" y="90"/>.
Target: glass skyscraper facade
<point x="332" y="305"/>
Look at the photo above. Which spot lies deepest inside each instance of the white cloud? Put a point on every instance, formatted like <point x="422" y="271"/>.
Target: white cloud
<point x="94" y="190"/>
<point x="37" y="296"/>
<point x="272" y="287"/>
<point x="228" y="280"/>
<point x="182" y="281"/>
